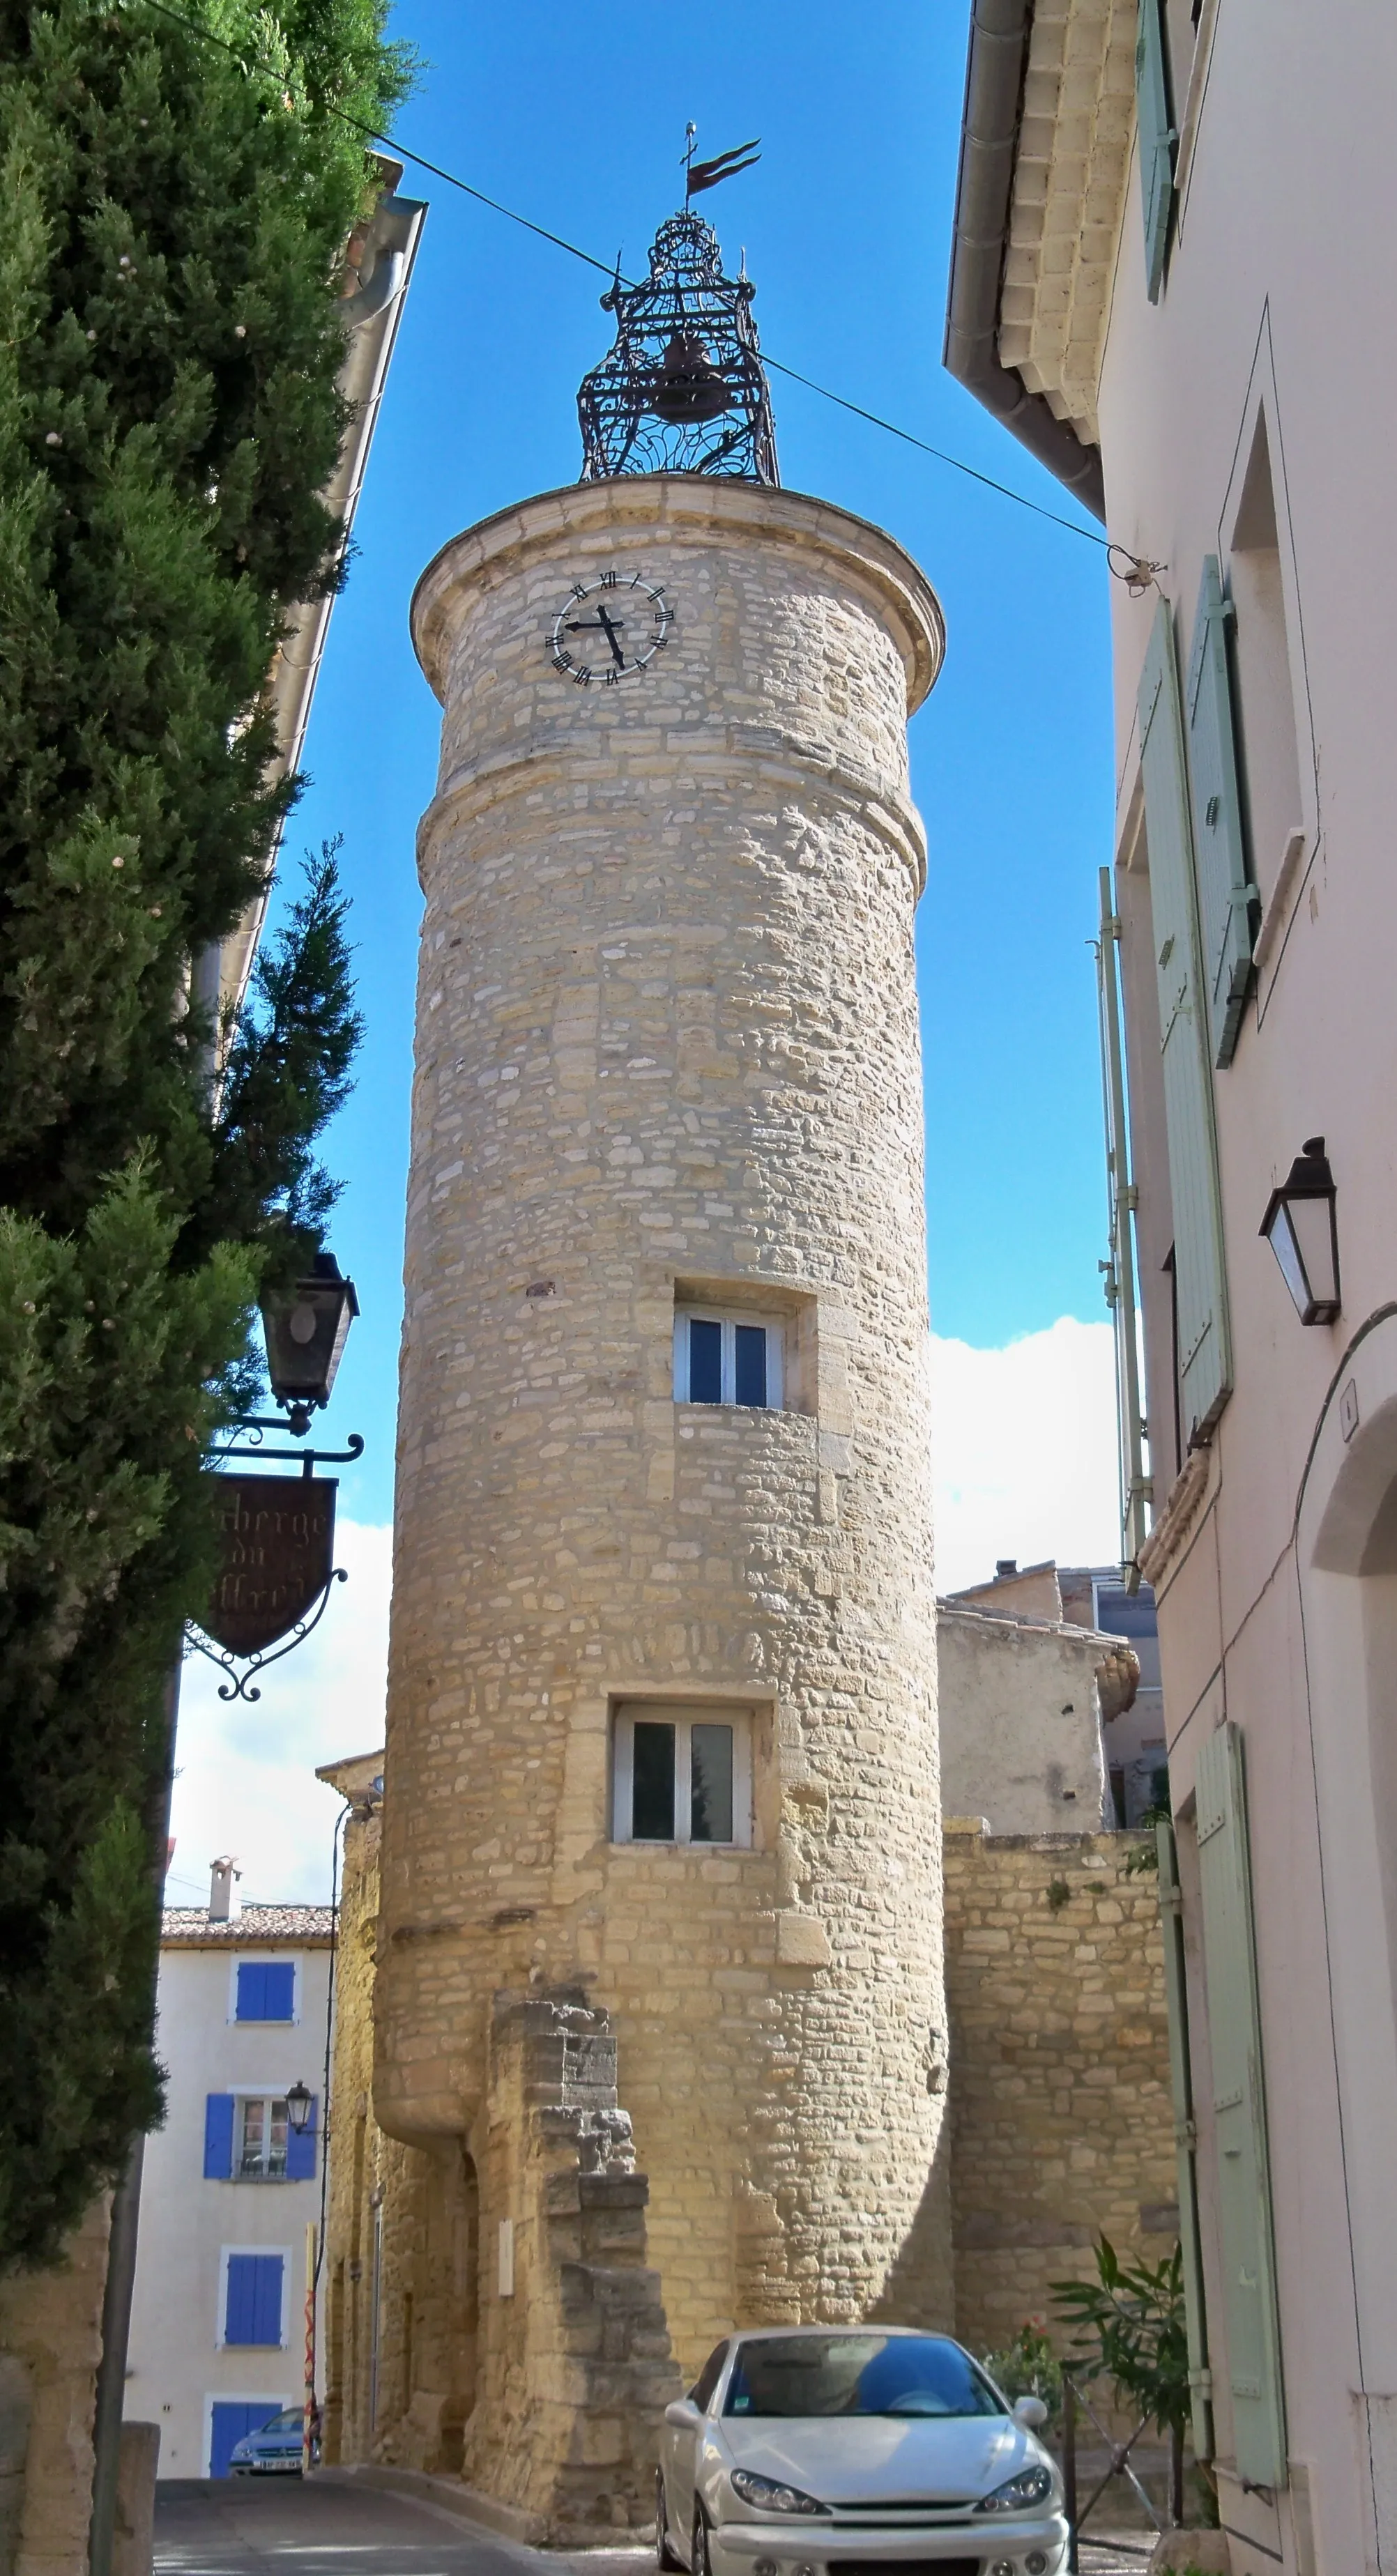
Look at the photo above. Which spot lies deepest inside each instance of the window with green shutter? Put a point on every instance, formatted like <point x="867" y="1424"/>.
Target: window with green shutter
<point x="1157" y="140"/>
<point x="1228" y="902"/>
<point x="1136" y="1488"/>
<point x="1200" y="1279"/>
<point x="1171" y="1909"/>
<point x="1239" y="2114"/>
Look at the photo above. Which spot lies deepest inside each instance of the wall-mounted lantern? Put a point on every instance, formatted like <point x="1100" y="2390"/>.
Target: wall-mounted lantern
<point x="1302" y="1230"/>
<point x="298" y="2102"/>
<point x="306" y="1329"/>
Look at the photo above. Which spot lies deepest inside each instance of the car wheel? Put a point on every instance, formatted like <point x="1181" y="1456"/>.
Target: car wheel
<point x="700" y="2561"/>
<point x="665" y="2555"/>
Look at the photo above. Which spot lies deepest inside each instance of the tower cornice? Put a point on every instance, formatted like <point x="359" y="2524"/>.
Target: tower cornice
<point x="681" y="507"/>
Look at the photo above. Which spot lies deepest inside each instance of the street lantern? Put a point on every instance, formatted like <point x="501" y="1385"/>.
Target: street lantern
<point x="306" y="1328"/>
<point x="1302" y="1230"/>
<point x="298" y="2106"/>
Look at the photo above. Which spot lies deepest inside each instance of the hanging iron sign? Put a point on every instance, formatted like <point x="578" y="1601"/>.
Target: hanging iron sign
<point x="277" y="1545"/>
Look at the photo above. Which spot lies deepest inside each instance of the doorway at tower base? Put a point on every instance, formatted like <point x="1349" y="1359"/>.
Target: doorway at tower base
<point x="575" y="2367"/>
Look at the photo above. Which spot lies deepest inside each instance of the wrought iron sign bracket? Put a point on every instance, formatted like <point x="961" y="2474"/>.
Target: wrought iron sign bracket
<point x="306" y="1459"/>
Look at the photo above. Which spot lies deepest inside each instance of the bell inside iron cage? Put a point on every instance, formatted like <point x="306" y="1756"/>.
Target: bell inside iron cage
<point x="682" y="389"/>
<point x="688" y="386"/>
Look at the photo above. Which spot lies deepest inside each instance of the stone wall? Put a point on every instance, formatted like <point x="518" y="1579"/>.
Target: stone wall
<point x="667" y="1050"/>
<point x="50" y="2345"/>
<point x="1062" y="2121"/>
<point x="544" y="2391"/>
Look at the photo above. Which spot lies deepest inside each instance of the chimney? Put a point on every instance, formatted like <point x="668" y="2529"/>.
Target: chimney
<point x="1004" y="1566"/>
<point x="225" y="1904"/>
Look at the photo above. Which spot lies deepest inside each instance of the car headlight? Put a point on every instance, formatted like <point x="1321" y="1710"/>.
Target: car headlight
<point x="768" y="2495"/>
<point x="1030" y="2487"/>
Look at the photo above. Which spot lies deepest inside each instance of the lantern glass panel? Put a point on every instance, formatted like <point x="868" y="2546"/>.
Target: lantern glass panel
<point x="306" y="1328"/>
<point x="1313" y="1223"/>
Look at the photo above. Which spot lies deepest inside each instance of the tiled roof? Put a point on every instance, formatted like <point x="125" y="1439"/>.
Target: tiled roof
<point x="257" y="1925"/>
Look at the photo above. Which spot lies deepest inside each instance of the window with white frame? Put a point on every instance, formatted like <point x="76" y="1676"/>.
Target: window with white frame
<point x="263" y="2127"/>
<point x="682" y="1774"/>
<point x="725" y="1358"/>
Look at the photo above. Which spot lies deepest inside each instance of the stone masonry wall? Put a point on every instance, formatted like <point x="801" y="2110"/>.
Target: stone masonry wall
<point x="1061" y="2127"/>
<point x="547" y="2396"/>
<point x="401" y="2296"/>
<point x="667" y="1048"/>
<point x="50" y="2346"/>
<point x="1062" y="2117"/>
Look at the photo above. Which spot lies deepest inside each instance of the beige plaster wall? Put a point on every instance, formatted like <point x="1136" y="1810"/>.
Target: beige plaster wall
<point x="1020" y="1723"/>
<point x="667" y="1041"/>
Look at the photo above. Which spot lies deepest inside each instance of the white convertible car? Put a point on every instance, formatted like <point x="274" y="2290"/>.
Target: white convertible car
<point x="855" y="2451"/>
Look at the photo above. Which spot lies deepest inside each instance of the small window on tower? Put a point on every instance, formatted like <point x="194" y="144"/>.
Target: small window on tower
<point x="682" y="1775"/>
<point x="727" y="1359"/>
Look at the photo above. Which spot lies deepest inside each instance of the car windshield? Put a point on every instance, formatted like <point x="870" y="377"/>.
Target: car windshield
<point x="291" y="2417"/>
<point x="858" y="2374"/>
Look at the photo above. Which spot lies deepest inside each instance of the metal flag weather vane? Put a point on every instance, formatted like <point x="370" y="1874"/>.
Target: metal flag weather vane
<point x="724" y="165"/>
<point x="682" y="390"/>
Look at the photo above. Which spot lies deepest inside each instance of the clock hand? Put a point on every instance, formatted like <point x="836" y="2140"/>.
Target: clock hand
<point x="618" y="657"/>
<point x="591" y="625"/>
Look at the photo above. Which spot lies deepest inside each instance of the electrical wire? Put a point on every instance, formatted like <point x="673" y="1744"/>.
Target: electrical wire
<point x="559" y="241"/>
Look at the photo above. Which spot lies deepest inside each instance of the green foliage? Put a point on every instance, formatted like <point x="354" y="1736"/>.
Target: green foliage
<point x="1059" y="1894"/>
<point x="1029" y="2367"/>
<point x="169" y="344"/>
<point x="1143" y="1861"/>
<point x="287" y="1072"/>
<point x="1130" y="2328"/>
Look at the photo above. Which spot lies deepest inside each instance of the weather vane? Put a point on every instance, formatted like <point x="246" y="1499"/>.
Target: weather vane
<point x="682" y="390"/>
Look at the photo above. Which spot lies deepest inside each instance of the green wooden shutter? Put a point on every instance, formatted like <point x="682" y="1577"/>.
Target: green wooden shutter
<point x="1200" y="1279"/>
<point x="1157" y="140"/>
<point x="1171" y="1908"/>
<point x="1239" y="2112"/>
<point x="1136" y="1488"/>
<point x="1227" y="900"/>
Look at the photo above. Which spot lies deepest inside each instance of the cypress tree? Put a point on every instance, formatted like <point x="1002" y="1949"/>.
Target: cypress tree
<point x="178" y="199"/>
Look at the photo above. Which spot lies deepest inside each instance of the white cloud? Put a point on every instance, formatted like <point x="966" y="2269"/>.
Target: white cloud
<point x="1024" y="1452"/>
<point x="246" y="1779"/>
<point x="1024" y="1462"/>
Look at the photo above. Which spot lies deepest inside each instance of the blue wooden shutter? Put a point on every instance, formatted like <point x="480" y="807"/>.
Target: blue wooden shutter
<point x="231" y="2418"/>
<point x="252" y="2311"/>
<point x="1157" y="140"/>
<point x="1227" y="900"/>
<point x="266" y="1990"/>
<point x="1200" y="1278"/>
<point x="1185" y="2142"/>
<point x="1239" y="2111"/>
<point x="279" y="1992"/>
<point x="300" y="2149"/>
<point x="252" y="1990"/>
<point x="218" y="2137"/>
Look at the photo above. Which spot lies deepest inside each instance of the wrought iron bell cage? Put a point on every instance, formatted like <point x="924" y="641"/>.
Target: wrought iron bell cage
<point x="682" y="390"/>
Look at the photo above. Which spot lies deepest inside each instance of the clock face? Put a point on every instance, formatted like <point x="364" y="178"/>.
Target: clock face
<point x="609" y="628"/>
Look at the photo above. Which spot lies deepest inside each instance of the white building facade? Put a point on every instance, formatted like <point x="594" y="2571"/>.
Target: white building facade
<point x="229" y="2188"/>
<point x="1173" y="279"/>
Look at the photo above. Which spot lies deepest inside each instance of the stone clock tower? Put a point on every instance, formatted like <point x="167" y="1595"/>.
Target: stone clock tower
<point x="662" y="1807"/>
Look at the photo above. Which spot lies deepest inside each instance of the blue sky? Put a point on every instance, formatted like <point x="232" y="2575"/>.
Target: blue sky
<point x="577" y="118"/>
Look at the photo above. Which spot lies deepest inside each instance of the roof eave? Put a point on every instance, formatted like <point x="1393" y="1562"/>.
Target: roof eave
<point x="994" y="79"/>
